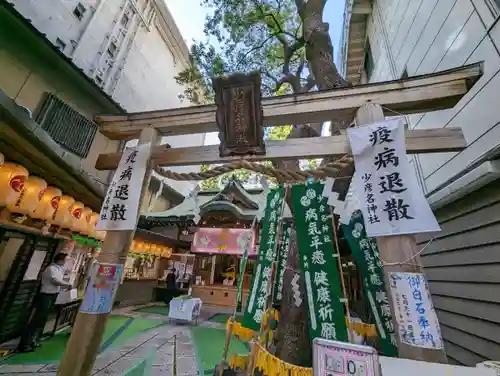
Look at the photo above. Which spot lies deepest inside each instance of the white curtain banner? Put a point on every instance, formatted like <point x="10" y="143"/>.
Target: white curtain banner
<point x="391" y="199"/>
<point x="121" y="204"/>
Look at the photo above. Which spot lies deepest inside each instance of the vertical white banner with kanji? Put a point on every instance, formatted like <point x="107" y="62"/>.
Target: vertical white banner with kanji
<point x="121" y="204"/>
<point x="391" y="199"/>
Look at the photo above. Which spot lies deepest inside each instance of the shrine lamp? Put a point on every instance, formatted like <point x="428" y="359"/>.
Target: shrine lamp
<point x="12" y="178"/>
<point x="152" y="249"/>
<point x="76" y="215"/>
<point x="92" y="223"/>
<point x="157" y="249"/>
<point x="141" y="247"/>
<point x="83" y="222"/>
<point x="62" y="216"/>
<point x="31" y="195"/>
<point x="133" y="246"/>
<point x="48" y="204"/>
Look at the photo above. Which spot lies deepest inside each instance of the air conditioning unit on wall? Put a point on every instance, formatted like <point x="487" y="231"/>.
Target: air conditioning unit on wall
<point x="470" y="182"/>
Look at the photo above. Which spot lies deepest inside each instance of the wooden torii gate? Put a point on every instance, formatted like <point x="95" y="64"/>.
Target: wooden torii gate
<point x="367" y="103"/>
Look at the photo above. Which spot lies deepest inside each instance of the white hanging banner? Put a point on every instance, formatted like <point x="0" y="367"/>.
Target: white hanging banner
<point x="121" y="204"/>
<point x="417" y="321"/>
<point x="391" y="199"/>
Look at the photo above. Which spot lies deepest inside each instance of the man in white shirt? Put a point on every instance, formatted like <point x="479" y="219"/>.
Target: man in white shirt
<point x="52" y="281"/>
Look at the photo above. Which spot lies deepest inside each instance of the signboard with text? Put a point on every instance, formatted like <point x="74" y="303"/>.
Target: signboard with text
<point x="318" y="261"/>
<point x="121" y="204"/>
<point x="413" y="309"/>
<point x="365" y="252"/>
<point x="228" y="241"/>
<point x="239" y="114"/>
<point x="391" y="199"/>
<point x="101" y="289"/>
<point x="261" y="281"/>
<point x="335" y="358"/>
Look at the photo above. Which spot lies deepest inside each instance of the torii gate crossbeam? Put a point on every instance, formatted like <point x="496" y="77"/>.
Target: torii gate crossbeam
<point x="430" y="92"/>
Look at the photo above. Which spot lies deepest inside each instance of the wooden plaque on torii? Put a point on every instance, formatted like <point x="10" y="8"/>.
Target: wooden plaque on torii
<point x="239" y="114"/>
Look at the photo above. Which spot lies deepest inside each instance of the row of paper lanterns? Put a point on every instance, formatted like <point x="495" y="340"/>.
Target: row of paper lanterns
<point x="31" y="196"/>
<point x="139" y="246"/>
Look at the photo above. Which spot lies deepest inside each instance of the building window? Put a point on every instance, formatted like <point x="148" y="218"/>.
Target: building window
<point x="369" y="64"/>
<point x="66" y="126"/>
<point x="112" y="49"/>
<point x="60" y="44"/>
<point x="124" y="21"/>
<point x="79" y="11"/>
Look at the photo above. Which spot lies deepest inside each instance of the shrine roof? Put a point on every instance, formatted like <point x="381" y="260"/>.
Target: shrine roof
<point x="244" y="203"/>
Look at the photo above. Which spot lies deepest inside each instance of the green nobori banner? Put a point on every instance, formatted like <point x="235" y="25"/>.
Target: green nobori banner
<point x="319" y="265"/>
<point x="243" y="264"/>
<point x="366" y="254"/>
<point x="256" y="301"/>
<point x="282" y="258"/>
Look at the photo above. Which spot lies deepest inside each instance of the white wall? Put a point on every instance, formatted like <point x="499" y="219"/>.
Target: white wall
<point x="142" y="77"/>
<point x="147" y="80"/>
<point x="426" y="36"/>
<point x="56" y="18"/>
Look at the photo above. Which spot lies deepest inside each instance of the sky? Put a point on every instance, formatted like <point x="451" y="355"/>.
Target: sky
<point x="189" y="16"/>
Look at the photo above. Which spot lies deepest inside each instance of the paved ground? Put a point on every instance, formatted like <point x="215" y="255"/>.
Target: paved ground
<point x="156" y="343"/>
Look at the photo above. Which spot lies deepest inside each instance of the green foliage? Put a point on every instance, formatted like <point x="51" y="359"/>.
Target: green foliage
<point x="243" y="176"/>
<point x="215" y="183"/>
<point x="277" y="133"/>
<point x="263" y="35"/>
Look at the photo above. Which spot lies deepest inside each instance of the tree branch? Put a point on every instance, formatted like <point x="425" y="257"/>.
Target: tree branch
<point x="300" y="68"/>
<point x="311" y="82"/>
<point x="255" y="48"/>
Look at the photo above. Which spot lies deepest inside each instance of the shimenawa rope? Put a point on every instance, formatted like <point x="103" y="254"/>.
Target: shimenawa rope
<point x="330" y="169"/>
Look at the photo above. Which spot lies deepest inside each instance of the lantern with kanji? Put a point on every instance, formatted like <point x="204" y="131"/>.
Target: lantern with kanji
<point x="62" y="216"/>
<point x="30" y="197"/>
<point x="76" y="215"/>
<point x="12" y="178"/>
<point x="48" y="204"/>
<point x="83" y="223"/>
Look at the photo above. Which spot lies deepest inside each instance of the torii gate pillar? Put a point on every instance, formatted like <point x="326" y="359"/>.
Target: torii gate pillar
<point x="398" y="249"/>
<point x="86" y="336"/>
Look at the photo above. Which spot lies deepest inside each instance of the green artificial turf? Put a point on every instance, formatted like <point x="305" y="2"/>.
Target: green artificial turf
<point x="223" y="317"/>
<point x="157" y="309"/>
<point x="52" y="348"/>
<point x="209" y="344"/>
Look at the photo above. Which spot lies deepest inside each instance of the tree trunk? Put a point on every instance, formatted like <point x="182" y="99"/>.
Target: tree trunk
<point x="319" y="52"/>
<point x="292" y="335"/>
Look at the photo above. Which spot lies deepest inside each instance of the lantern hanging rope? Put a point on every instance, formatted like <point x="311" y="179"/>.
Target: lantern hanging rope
<point x="330" y="169"/>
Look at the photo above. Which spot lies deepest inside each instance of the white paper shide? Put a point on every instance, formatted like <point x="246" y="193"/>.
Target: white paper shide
<point x="417" y="321"/>
<point x="121" y="204"/>
<point x="391" y="199"/>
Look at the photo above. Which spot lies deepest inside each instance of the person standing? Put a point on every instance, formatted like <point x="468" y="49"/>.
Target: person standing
<point x="171" y="286"/>
<point x="52" y="281"/>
